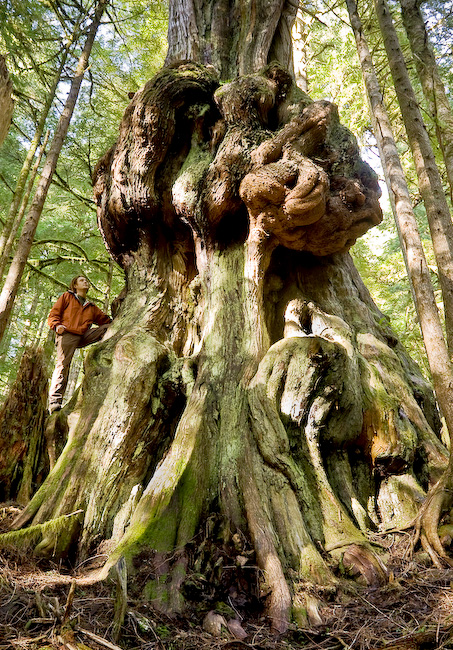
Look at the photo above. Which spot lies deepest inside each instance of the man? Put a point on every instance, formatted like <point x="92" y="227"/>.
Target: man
<point x="71" y="317"/>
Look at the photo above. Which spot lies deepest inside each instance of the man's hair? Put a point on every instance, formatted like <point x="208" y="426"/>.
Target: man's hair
<point x="72" y="285"/>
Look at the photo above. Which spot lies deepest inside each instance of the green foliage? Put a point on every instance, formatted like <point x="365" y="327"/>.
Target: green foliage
<point x="129" y="49"/>
<point x="333" y="69"/>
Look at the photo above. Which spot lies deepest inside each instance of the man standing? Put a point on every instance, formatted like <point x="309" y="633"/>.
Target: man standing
<point x="71" y="317"/>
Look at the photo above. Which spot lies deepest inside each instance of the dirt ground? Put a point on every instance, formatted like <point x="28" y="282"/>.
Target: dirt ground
<point x="43" y="607"/>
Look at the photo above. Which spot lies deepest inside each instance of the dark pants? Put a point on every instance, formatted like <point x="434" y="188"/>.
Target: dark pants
<point x="67" y="344"/>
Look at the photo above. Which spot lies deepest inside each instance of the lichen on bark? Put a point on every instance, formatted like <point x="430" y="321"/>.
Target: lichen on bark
<point x="248" y="374"/>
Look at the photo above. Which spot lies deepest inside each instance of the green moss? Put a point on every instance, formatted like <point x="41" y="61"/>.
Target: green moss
<point x="51" y="539"/>
<point x="163" y="632"/>
<point x="156" y="590"/>
<point x="195" y="164"/>
<point x="192" y="502"/>
<point x="225" y="610"/>
<point x="373" y="390"/>
<point x="299" y="616"/>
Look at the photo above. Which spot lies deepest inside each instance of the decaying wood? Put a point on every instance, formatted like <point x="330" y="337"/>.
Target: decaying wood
<point x="24" y="461"/>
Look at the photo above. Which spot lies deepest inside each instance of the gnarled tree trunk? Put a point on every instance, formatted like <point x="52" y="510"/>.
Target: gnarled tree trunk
<point x="248" y="388"/>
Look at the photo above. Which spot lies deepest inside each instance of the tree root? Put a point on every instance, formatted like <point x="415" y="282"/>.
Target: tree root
<point x="426" y="524"/>
<point x="51" y="539"/>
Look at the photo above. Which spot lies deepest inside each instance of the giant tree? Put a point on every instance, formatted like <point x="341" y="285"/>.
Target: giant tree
<point x="249" y="399"/>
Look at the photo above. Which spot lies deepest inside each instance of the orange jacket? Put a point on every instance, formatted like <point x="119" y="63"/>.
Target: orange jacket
<point x="69" y="312"/>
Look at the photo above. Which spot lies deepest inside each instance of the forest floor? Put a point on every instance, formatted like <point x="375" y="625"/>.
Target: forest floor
<point x="42" y="607"/>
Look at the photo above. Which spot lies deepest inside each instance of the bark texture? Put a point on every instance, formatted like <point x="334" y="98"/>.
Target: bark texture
<point x="6" y="101"/>
<point x="249" y="397"/>
<point x="234" y="36"/>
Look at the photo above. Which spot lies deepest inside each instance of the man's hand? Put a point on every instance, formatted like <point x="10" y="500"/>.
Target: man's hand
<point x="60" y="329"/>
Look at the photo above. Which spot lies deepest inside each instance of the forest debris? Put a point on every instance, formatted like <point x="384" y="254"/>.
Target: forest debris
<point x="312" y="604"/>
<point x="67" y="640"/>
<point x="40" y="604"/>
<point x="411" y="642"/>
<point x="98" y="639"/>
<point x="418" y="601"/>
<point x="143" y="623"/>
<point x="39" y="621"/>
<point x="69" y="601"/>
<point x="213" y="623"/>
<point x="48" y="606"/>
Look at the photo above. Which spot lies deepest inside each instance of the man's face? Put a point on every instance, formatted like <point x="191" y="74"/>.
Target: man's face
<point x="82" y="284"/>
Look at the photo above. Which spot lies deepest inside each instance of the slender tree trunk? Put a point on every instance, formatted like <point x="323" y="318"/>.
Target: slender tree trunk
<point x="300" y="34"/>
<point x="414" y="257"/>
<point x="17" y="219"/>
<point x="26" y="239"/>
<point x="22" y="180"/>
<point x="42" y="324"/>
<point x="6" y="101"/>
<point x="31" y="313"/>
<point x="430" y="182"/>
<point x="432" y="84"/>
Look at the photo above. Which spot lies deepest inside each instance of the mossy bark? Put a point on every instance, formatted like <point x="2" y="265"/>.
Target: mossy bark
<point x="248" y="376"/>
